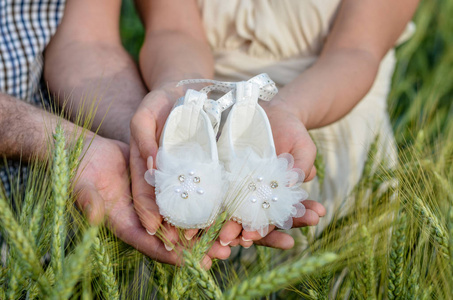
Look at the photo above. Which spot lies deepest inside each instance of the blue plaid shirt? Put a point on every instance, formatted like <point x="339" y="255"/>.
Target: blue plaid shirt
<point x="26" y="27"/>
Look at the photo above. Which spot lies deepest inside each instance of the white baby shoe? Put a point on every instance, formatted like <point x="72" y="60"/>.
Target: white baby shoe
<point x="189" y="181"/>
<point x="264" y="189"/>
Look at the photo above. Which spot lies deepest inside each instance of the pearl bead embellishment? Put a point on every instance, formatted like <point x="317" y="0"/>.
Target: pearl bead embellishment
<point x="188" y="186"/>
<point x="262" y="192"/>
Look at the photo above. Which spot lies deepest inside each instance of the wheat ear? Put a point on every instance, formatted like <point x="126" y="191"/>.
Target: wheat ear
<point x="162" y="279"/>
<point x="22" y="245"/>
<point x="102" y="260"/>
<point x="202" y="277"/>
<point x="180" y="284"/>
<point x="74" y="266"/>
<point x="60" y="184"/>
<point x="396" y="263"/>
<point x="437" y="231"/>
<point x="279" y="277"/>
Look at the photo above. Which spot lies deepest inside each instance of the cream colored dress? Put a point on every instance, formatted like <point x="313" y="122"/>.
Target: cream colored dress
<point x="283" y="38"/>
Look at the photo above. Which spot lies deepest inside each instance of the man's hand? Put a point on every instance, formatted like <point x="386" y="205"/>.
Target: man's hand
<point x="103" y="188"/>
<point x="290" y="136"/>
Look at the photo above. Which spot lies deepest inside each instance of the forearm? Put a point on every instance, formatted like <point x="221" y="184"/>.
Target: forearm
<point x="86" y="63"/>
<point x="361" y="35"/>
<point x="175" y="46"/>
<point x="26" y="131"/>
<point x="170" y="56"/>
<point x="90" y="71"/>
<point x="330" y="88"/>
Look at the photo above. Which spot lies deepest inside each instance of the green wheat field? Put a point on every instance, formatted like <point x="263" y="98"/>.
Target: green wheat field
<point x="395" y="242"/>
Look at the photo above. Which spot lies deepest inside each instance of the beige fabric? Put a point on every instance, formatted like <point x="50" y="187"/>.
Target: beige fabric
<point x="283" y="38"/>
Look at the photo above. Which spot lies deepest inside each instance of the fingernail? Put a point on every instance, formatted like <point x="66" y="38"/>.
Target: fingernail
<point x="248" y="247"/>
<point x="169" y="248"/>
<point x="149" y="163"/>
<point x="224" y="244"/>
<point x="245" y="240"/>
<point x="150" y="233"/>
<point x="188" y="236"/>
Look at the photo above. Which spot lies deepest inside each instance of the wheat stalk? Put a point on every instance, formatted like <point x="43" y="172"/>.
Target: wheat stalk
<point x="180" y="284"/>
<point x="2" y="293"/>
<point x="102" y="260"/>
<point x="438" y="233"/>
<point x="368" y="265"/>
<point x="279" y="277"/>
<point x="33" y="290"/>
<point x="320" y="166"/>
<point x="27" y="207"/>
<point x="74" y="157"/>
<point x="450" y="237"/>
<point x="86" y="289"/>
<point x="60" y="184"/>
<point x="74" y="266"/>
<point x="35" y="222"/>
<point x="162" y="279"/>
<point x="13" y="282"/>
<point x="324" y="283"/>
<point x="22" y="245"/>
<point x="264" y="257"/>
<point x="201" y="276"/>
<point x="202" y="246"/>
<point x="396" y="264"/>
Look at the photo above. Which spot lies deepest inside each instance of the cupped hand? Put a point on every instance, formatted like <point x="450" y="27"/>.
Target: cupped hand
<point x="103" y="192"/>
<point x="290" y="136"/>
<point x="146" y="127"/>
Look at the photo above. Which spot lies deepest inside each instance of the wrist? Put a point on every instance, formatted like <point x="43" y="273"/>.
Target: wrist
<point x="281" y="103"/>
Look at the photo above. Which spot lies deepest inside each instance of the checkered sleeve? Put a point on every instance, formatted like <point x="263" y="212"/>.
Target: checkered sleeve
<point x="26" y="27"/>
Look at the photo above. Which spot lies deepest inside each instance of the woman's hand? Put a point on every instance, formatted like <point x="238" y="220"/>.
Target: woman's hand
<point x="146" y="127"/>
<point x="290" y="136"/>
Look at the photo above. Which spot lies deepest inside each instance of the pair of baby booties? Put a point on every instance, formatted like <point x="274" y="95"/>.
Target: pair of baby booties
<point x="198" y="177"/>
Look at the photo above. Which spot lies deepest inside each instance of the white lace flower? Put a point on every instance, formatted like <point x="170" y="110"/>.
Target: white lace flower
<point x="265" y="191"/>
<point x="189" y="189"/>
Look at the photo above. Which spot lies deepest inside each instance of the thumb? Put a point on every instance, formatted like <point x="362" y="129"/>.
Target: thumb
<point x="143" y="131"/>
<point x="91" y="203"/>
<point x="304" y="153"/>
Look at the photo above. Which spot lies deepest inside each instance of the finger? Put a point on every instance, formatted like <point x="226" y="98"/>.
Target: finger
<point x="91" y="203"/>
<point x="143" y="132"/>
<point x="244" y="244"/>
<point x="229" y="231"/>
<point x="315" y="206"/>
<point x="235" y="242"/>
<point x="190" y="233"/>
<point x="277" y="239"/>
<point x="169" y="235"/>
<point x="310" y="218"/>
<point x="218" y="251"/>
<point x="311" y="175"/>
<point x="125" y="224"/>
<point x="206" y="262"/>
<point x="304" y="152"/>
<point x="143" y="194"/>
<point x="248" y="236"/>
